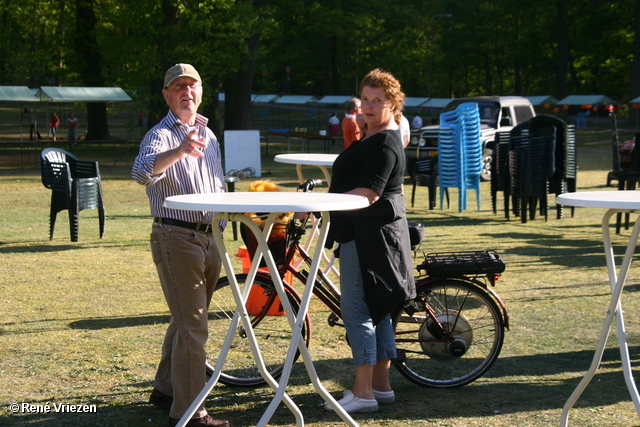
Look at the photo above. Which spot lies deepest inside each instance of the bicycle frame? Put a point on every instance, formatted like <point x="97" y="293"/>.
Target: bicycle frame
<point x="328" y="293"/>
<point x="324" y="288"/>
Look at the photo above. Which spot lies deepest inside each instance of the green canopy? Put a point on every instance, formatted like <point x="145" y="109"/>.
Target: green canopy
<point x="82" y="94"/>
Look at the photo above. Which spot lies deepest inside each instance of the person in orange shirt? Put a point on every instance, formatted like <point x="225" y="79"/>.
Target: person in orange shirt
<point x="350" y="129"/>
<point x="54" y="122"/>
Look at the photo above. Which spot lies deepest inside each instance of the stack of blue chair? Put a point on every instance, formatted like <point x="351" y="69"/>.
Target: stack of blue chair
<point x="460" y="152"/>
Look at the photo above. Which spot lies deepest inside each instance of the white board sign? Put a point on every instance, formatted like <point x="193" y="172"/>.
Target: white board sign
<point x="242" y="150"/>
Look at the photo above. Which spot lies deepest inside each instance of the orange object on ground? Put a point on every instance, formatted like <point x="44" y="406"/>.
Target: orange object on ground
<point x="257" y="298"/>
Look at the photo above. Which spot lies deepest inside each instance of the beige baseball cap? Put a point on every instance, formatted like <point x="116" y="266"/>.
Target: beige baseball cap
<point x="180" y="70"/>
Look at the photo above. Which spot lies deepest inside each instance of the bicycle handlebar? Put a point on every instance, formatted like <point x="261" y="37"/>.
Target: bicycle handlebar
<point x="310" y="184"/>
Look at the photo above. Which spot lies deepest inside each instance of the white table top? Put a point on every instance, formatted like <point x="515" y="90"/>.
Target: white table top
<point x="241" y="202"/>
<point x="315" y="159"/>
<point x="628" y="199"/>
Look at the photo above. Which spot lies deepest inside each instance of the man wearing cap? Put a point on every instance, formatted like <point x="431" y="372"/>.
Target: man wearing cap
<point x="180" y="155"/>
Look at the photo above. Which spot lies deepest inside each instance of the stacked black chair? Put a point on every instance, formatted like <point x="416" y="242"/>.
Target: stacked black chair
<point x="499" y="171"/>
<point x="75" y="185"/>
<point x="539" y="168"/>
<point x="565" y="176"/>
<point x="615" y="146"/>
<point x="425" y="173"/>
<point x="518" y="146"/>
<point x="627" y="180"/>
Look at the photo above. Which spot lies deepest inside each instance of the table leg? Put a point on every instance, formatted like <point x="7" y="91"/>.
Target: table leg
<point x="297" y="343"/>
<point x="327" y="175"/>
<point x="615" y="309"/>
<point x="296" y="323"/>
<point x="241" y="313"/>
<point x="330" y="261"/>
<point x="299" y="172"/>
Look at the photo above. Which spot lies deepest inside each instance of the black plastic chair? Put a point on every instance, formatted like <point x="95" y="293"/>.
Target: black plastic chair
<point x="627" y="180"/>
<point x="615" y="146"/>
<point x="425" y="173"/>
<point x="516" y="164"/>
<point x="75" y="186"/>
<point x="539" y="169"/>
<point x="564" y="178"/>
<point x="500" y="172"/>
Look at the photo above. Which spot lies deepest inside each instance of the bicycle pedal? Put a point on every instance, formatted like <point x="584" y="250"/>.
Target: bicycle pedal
<point x="333" y="320"/>
<point x="402" y="357"/>
<point x="410" y="310"/>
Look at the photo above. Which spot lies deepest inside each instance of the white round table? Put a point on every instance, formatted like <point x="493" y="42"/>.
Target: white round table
<point x="231" y="207"/>
<point x="615" y="202"/>
<point x="310" y="159"/>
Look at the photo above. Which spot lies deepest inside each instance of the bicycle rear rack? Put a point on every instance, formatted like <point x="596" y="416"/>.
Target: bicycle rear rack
<point x="457" y="264"/>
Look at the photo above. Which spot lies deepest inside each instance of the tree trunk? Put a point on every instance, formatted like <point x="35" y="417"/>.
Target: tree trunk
<point x="166" y="44"/>
<point x="562" y="64"/>
<point x="90" y="68"/>
<point x="634" y="91"/>
<point x="238" y="88"/>
<point x="212" y="106"/>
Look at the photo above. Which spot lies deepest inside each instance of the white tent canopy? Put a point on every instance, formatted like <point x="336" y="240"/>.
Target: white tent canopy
<point x="542" y="100"/>
<point x="17" y="94"/>
<point x="263" y="98"/>
<point x="436" y="103"/>
<point x="295" y="99"/>
<point x="414" y="102"/>
<point x="259" y="98"/>
<point x="334" y="99"/>
<point x="586" y="100"/>
<point x="82" y="94"/>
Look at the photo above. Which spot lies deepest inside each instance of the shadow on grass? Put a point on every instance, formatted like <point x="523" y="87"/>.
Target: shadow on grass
<point x="526" y="388"/>
<point x="533" y="365"/>
<point x="125" y="322"/>
<point x="25" y="248"/>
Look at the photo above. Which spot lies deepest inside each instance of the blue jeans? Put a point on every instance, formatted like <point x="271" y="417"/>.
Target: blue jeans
<point x="369" y="344"/>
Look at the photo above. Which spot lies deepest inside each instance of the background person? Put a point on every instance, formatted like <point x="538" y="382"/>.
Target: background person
<point x="416" y="123"/>
<point x="180" y="155"/>
<point x="405" y="131"/>
<point x="54" y="122"/>
<point x="72" y="125"/>
<point x="373" y="167"/>
<point x="350" y="128"/>
<point x="34" y="126"/>
<point x="334" y="124"/>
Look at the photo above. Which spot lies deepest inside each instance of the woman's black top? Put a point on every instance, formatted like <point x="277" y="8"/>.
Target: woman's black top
<point x="380" y="231"/>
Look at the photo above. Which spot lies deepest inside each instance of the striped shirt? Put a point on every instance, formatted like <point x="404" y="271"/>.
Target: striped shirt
<point x="191" y="175"/>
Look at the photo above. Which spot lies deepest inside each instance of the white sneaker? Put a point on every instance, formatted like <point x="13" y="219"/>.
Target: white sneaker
<point x="352" y="404"/>
<point x="381" y="397"/>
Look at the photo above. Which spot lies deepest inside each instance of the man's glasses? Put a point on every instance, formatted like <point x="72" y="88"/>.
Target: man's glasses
<point x="179" y="86"/>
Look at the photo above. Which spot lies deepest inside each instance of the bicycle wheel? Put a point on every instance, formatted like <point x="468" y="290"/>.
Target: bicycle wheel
<point x="273" y="333"/>
<point x="462" y="350"/>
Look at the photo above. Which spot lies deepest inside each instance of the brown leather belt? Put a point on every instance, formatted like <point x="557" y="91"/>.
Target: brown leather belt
<point x="203" y="228"/>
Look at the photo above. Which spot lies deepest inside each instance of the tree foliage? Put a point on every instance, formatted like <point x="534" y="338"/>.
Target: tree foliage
<point x="441" y="48"/>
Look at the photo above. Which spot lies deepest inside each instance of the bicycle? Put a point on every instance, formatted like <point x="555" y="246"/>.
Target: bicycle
<point x="448" y="336"/>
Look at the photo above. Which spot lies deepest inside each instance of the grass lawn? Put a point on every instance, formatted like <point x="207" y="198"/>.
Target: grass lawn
<point x="83" y="323"/>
